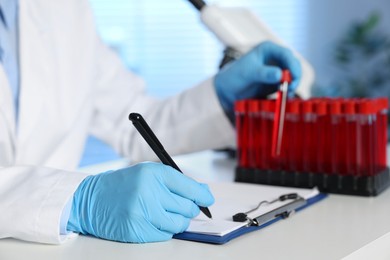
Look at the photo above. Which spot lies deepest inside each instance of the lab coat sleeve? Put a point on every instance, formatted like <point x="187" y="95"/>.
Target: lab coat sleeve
<point x="33" y="199"/>
<point x="188" y="122"/>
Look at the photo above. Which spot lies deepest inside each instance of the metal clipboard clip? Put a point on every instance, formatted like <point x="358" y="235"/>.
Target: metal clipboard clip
<point x="283" y="211"/>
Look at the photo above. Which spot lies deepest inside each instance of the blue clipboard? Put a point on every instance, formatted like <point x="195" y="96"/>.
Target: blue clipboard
<point x="219" y="240"/>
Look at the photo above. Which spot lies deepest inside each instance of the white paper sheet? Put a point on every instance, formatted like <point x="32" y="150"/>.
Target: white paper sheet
<point x="232" y="198"/>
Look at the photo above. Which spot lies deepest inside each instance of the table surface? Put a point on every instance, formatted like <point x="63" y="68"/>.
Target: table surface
<point x="331" y="229"/>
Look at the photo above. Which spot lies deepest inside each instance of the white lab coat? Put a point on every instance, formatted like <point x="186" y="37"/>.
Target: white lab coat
<point x="71" y="86"/>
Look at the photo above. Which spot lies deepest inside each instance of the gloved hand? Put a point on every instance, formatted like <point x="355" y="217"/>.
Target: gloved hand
<point x="148" y="202"/>
<point x="256" y="74"/>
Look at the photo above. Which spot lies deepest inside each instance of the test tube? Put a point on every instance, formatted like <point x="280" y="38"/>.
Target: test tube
<point x="376" y="136"/>
<point x="321" y="140"/>
<point x="254" y="133"/>
<point x="342" y="149"/>
<point x="373" y="130"/>
<point x="365" y="131"/>
<point x="291" y="141"/>
<point x="280" y="112"/>
<point x="298" y="155"/>
<point x="336" y="137"/>
<point x="308" y="141"/>
<point x="240" y="108"/>
<point x="349" y="166"/>
<point x="270" y="115"/>
<point x="382" y="132"/>
<point x="325" y="122"/>
<point x="266" y="116"/>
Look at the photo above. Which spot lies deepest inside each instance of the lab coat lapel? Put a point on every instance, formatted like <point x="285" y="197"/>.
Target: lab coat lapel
<point x="7" y="121"/>
<point x="36" y="75"/>
<point x="6" y="101"/>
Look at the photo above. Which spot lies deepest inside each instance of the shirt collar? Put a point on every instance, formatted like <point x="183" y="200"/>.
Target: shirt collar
<point x="10" y="10"/>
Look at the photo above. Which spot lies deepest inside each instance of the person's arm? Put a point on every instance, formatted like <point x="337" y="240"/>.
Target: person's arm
<point x="193" y="120"/>
<point x="190" y="121"/>
<point x="140" y="204"/>
<point x="32" y="200"/>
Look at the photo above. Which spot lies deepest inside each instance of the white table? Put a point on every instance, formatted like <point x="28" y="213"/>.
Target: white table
<point x="330" y="229"/>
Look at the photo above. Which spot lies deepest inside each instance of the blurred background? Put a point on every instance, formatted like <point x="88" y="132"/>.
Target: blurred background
<point x="347" y="42"/>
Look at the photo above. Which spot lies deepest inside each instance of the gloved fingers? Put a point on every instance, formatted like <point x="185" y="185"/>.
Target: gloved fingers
<point x="282" y="56"/>
<point x="187" y="188"/>
<point x="180" y="205"/>
<point x="271" y="75"/>
<point x="273" y="54"/>
<point x="143" y="231"/>
<point x="296" y="73"/>
<point x="266" y="74"/>
<point x="169" y="222"/>
<point x="265" y="63"/>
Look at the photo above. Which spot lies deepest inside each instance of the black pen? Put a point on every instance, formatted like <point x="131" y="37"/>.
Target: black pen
<point x="147" y="133"/>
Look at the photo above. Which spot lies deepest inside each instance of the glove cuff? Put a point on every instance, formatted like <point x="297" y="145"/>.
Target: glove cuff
<point x="226" y="104"/>
<point x="76" y="213"/>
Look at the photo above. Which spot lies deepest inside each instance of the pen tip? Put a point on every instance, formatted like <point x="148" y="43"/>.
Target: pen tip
<point x="206" y="211"/>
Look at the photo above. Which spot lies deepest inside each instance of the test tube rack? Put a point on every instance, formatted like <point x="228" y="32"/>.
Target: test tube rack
<point x="337" y="145"/>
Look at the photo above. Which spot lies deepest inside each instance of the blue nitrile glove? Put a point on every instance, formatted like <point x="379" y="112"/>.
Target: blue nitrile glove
<point x="256" y="74"/>
<point x="148" y="202"/>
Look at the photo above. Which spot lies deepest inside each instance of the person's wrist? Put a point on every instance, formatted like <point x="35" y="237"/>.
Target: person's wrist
<point x="222" y="94"/>
<point x="74" y="222"/>
<point x="227" y="106"/>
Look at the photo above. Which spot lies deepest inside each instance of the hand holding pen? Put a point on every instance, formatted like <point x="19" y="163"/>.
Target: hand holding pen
<point x="147" y="202"/>
<point x="152" y="140"/>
